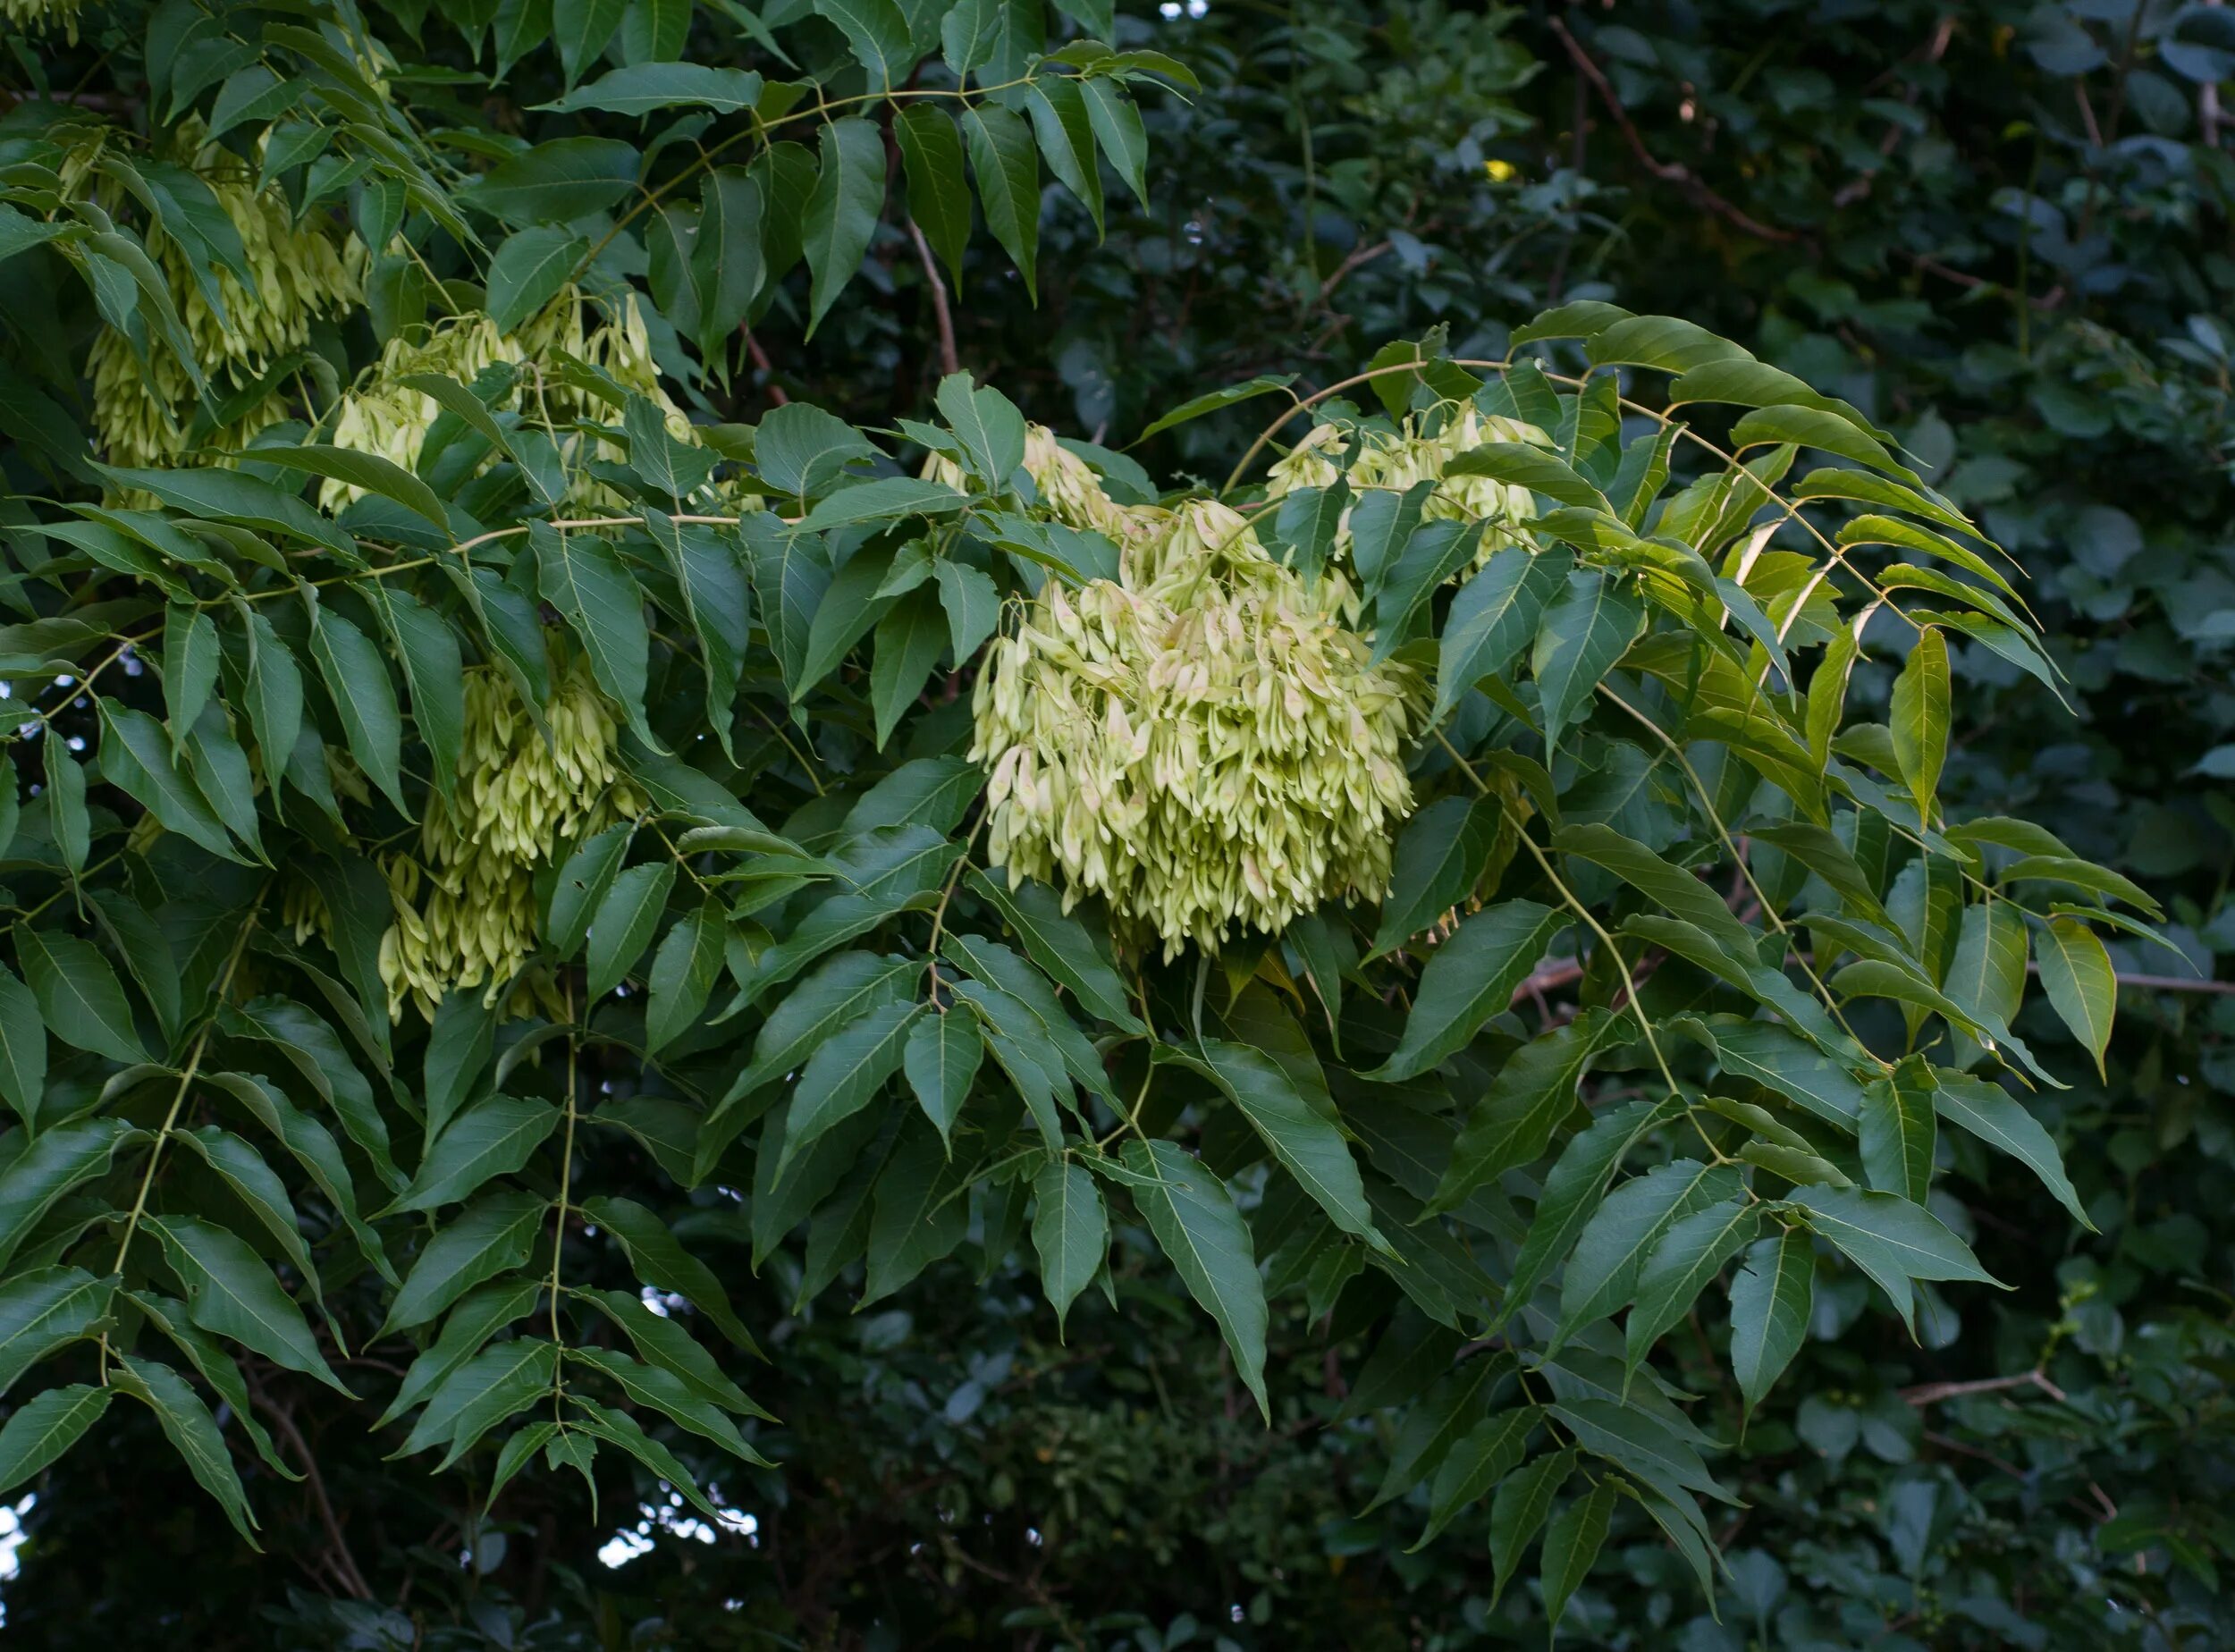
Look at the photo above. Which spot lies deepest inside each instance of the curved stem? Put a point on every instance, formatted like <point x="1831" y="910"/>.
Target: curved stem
<point x="178" y="1104"/>
<point x="463" y="547"/>
<point x="83" y="685"/>
<point x="820" y="108"/>
<point x="1790" y="510"/>
<point x="1567" y="896"/>
<point x="1768" y="907"/>
<point x="562" y="1203"/>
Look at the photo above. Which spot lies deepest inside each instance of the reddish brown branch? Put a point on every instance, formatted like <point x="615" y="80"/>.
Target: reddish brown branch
<point x="2048" y="300"/>
<point x="1856" y="188"/>
<point x="1949" y="1443"/>
<point x="760" y="359"/>
<point x="1692" y="185"/>
<point x="2162" y="984"/>
<point x="339" y="1560"/>
<point x="1933" y="1392"/>
<point x="949" y="361"/>
<point x="1356" y="258"/>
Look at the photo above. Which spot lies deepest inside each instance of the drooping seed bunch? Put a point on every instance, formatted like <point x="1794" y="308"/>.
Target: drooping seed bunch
<point x="39" y="16"/>
<point x="1203" y="741"/>
<point x="465" y="906"/>
<point x="1070" y="491"/>
<point x="1421" y="449"/>
<point x="385" y="415"/>
<point x="144" y="400"/>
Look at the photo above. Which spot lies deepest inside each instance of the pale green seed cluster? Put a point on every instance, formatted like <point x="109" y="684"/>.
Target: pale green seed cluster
<point x="39" y="16"/>
<point x="385" y="416"/>
<point x="465" y="906"/>
<point x="144" y="410"/>
<point x="1203" y="741"/>
<point x="1070" y="491"/>
<point x="1420" y="450"/>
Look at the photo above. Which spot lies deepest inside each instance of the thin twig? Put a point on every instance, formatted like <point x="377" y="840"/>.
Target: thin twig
<point x="1933" y="1392"/>
<point x="2161" y="983"/>
<point x="2048" y="300"/>
<point x="1692" y="185"/>
<point x="1948" y="1443"/>
<point x="1859" y="186"/>
<point x="342" y="1561"/>
<point x="1356" y="258"/>
<point x="760" y="359"/>
<point x="948" y="361"/>
<point x="565" y="1199"/>
<point x="178" y="1103"/>
<point x="2125" y="978"/>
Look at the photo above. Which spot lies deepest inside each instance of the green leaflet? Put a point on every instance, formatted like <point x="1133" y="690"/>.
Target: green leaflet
<point x="1070" y="1232"/>
<point x="1572" y="1543"/>
<point x="1998" y="1118"/>
<point x="1612" y="1251"/>
<point x="1586" y="627"/>
<point x="1517" y="1514"/>
<point x="491" y="1237"/>
<point x="1532" y="1094"/>
<point x="1306" y="1141"/>
<point x="41" y="1430"/>
<point x="2077" y="975"/>
<point x="1440" y="855"/>
<point x="1004" y="163"/>
<point x="193" y="1431"/>
<point x="941" y="1058"/>
<point x="918" y="1215"/>
<point x="845" y="1073"/>
<point x="580" y="576"/>
<point x="22" y="1048"/>
<point x="1770" y="1303"/>
<point x="1689" y="1255"/>
<point x="938" y="195"/>
<point x="1073" y="954"/>
<point x="1199" y="1230"/>
<point x="43" y="1309"/>
<point x="231" y="1293"/>
<point x="659" y="1259"/>
<point x="363" y="696"/>
<point x="1922" y="709"/>
<point x="59" y="1159"/>
<point x="493" y="1137"/>
<point x="849" y="189"/>
<point x="1494" y="617"/>
<point x="1898" y="1131"/>
<point x="1890" y="1239"/>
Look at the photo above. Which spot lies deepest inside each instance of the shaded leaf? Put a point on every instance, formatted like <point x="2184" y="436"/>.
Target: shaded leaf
<point x="2075" y="973"/>
<point x="1070" y="1232"/>
<point x="493" y="1137"/>
<point x="1771" y="1299"/>
<point x="193" y="1431"/>
<point x="942" y="1059"/>
<point x="43" y="1427"/>
<point x="1196" y="1225"/>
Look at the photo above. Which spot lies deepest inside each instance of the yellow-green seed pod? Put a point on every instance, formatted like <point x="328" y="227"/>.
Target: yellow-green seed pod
<point x="1203" y="742"/>
<point x="143" y="407"/>
<point x="465" y="906"/>
<point x="566" y="369"/>
<point x="1420" y="450"/>
<point x="38" y="17"/>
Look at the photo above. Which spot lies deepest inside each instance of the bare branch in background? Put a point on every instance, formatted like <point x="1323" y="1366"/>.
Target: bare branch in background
<point x="1676" y="173"/>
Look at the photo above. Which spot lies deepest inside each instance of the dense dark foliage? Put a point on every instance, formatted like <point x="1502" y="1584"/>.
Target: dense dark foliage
<point x="2001" y="231"/>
